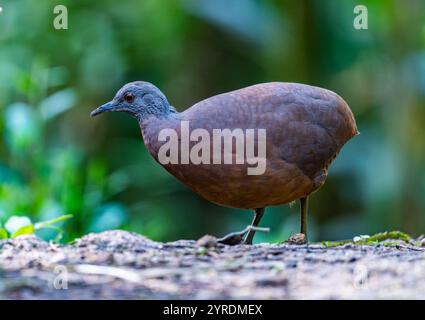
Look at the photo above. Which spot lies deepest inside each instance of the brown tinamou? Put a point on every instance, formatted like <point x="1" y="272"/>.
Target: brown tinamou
<point x="305" y="129"/>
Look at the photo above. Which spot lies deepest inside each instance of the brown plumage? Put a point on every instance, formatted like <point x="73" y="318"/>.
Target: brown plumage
<point x="306" y="128"/>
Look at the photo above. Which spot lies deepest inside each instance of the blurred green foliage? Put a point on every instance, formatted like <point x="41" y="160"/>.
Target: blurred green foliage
<point x="22" y="225"/>
<point x="55" y="160"/>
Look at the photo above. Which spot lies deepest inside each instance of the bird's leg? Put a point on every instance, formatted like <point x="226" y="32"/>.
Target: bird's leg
<point x="235" y="238"/>
<point x="303" y="211"/>
<point x="250" y="235"/>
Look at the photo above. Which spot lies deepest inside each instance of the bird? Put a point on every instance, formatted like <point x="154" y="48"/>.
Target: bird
<point x="305" y="126"/>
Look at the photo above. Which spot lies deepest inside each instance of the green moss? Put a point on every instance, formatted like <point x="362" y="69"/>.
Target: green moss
<point x="373" y="240"/>
<point x="202" y="251"/>
<point x="391" y="244"/>
<point x="394" y="235"/>
<point x="336" y="243"/>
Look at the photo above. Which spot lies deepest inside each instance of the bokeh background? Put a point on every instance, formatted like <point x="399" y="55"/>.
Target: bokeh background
<point x="55" y="159"/>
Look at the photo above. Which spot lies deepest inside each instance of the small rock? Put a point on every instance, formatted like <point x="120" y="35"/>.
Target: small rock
<point x="207" y="241"/>
<point x="272" y="282"/>
<point x="298" y="238"/>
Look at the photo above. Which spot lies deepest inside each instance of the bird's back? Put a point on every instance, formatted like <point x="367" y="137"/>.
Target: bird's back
<point x="305" y="125"/>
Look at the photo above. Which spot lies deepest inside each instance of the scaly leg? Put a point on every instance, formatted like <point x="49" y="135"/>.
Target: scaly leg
<point x="303" y="211"/>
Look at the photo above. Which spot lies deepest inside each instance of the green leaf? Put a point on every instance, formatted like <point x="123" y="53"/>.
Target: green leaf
<point x="24" y="230"/>
<point x="3" y="234"/>
<point x="48" y="223"/>
<point x="14" y="223"/>
<point x="59" y="231"/>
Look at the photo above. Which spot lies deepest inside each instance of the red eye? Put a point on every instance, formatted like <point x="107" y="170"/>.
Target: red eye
<point x="129" y="97"/>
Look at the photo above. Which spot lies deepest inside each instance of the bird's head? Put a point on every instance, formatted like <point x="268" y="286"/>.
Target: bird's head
<point x="140" y="99"/>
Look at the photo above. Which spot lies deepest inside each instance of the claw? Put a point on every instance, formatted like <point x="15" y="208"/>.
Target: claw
<point x="235" y="238"/>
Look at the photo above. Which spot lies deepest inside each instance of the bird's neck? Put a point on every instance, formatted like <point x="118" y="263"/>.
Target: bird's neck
<point x="152" y="125"/>
<point x="145" y="115"/>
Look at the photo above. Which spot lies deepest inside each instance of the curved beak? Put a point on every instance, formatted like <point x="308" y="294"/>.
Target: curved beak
<point x="107" y="107"/>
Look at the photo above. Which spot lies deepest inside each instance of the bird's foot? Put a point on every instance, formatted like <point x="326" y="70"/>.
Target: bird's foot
<point x="298" y="238"/>
<point x="239" y="237"/>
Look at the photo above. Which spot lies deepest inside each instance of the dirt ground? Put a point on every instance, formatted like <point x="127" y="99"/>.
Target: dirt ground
<point x="122" y="265"/>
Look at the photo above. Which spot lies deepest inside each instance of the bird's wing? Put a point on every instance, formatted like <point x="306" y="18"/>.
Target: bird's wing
<point x="306" y="125"/>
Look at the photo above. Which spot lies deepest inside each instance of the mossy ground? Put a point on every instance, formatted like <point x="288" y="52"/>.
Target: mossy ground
<point x="376" y="239"/>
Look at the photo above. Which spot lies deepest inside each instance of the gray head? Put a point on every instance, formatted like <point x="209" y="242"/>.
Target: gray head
<point x="140" y="99"/>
